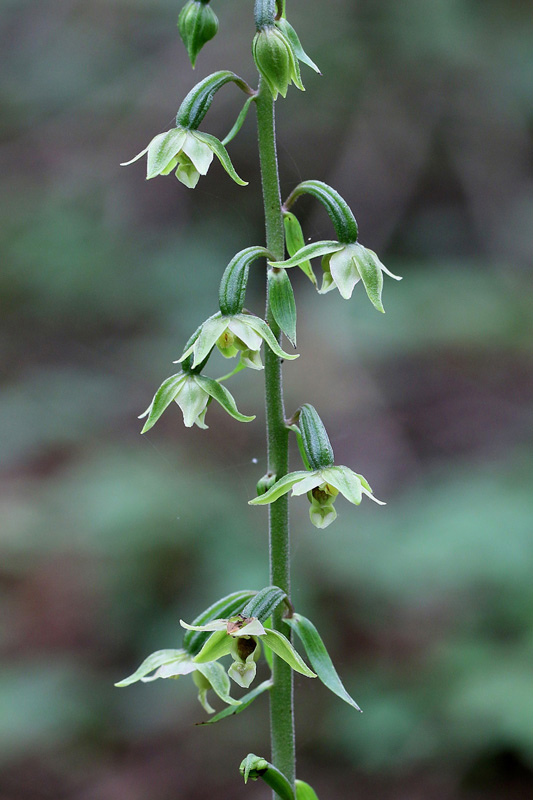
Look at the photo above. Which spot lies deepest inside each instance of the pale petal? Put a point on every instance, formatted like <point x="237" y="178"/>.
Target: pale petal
<point x="212" y="329"/>
<point x="188" y="175"/>
<point x="200" y="153"/>
<point x="245" y="333"/>
<point x="254" y="628"/>
<point x="173" y="670"/>
<point x="322" y="516"/>
<point x="346" y="481"/>
<point x="135" y="158"/>
<point x="310" y="482"/>
<point x="162" y="149"/>
<point x="344" y="271"/>
<point x="192" y="400"/>
<point x="213" y="625"/>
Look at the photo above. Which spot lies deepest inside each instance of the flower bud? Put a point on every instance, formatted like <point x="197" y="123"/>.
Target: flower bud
<point x="197" y="24"/>
<point x="265" y="483"/>
<point x="275" y="60"/>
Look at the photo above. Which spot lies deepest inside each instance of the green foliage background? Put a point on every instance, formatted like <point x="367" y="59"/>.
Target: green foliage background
<point x="423" y="122"/>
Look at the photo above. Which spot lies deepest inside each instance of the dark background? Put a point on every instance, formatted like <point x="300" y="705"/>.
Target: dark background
<point x="422" y="120"/>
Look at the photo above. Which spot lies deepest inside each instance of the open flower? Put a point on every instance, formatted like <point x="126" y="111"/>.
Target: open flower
<point x="239" y="637"/>
<point x="234" y="333"/>
<point x="189" y="152"/>
<point x="173" y="664"/>
<point x="344" y="265"/>
<point x="322" y="487"/>
<point x="192" y="393"/>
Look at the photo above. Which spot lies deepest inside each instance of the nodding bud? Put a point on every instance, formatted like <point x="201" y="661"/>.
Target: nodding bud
<point x="197" y="24"/>
<point x="265" y="483"/>
<point x="275" y="60"/>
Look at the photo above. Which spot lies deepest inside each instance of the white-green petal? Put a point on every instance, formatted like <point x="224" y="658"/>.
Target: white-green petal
<point x="280" y="645"/>
<point x="213" y="625"/>
<point x="238" y="325"/>
<point x="310" y="482"/>
<point x="162" y="149"/>
<point x="199" y="152"/>
<point x="217" y="646"/>
<point x="254" y="628"/>
<point x="343" y="268"/>
<point x="192" y="399"/>
<point x="346" y="481"/>
<point x="260" y="326"/>
<point x="313" y="250"/>
<point x="280" y="488"/>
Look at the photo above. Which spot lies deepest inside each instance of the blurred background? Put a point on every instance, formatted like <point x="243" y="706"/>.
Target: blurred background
<point x="423" y="121"/>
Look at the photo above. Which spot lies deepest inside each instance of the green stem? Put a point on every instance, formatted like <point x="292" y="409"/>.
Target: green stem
<point x="281" y="694"/>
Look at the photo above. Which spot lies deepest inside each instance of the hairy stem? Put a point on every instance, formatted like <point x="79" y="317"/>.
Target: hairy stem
<point x="281" y="694"/>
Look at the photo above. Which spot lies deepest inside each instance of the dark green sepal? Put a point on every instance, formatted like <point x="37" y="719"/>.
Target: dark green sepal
<point x="197" y="24"/>
<point x="264" y="603"/>
<point x="198" y="102"/>
<point x="315" y="439"/>
<point x="224" y="608"/>
<point x="232" y="290"/>
<point x="338" y="209"/>
<point x="282" y="303"/>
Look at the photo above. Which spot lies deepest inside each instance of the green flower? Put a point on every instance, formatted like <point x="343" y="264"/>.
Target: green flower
<point x="240" y="637"/>
<point x="322" y="487"/>
<point x="174" y="664"/>
<point x="189" y="152"/>
<point x="192" y="393"/>
<point x="344" y="265"/>
<point x="234" y="333"/>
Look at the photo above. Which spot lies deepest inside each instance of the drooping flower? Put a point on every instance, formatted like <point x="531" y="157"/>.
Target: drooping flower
<point x="234" y="333"/>
<point x="192" y="393"/>
<point x="344" y="265"/>
<point x="322" y="487"/>
<point x="189" y="152"/>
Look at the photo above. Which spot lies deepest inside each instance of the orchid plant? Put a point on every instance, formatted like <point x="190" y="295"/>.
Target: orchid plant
<point x="248" y="625"/>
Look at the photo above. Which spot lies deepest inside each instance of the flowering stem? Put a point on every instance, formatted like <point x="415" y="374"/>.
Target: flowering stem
<point x="281" y="694"/>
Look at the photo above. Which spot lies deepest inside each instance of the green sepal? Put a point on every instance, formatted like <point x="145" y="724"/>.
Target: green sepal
<point x="315" y="439"/>
<point x="245" y="701"/>
<point x="163" y="398"/>
<point x="222" y="609"/>
<point x="319" y="657"/>
<point x="220" y="683"/>
<point x="197" y="24"/>
<point x="198" y="101"/>
<point x="313" y="250"/>
<point x="294" y="238"/>
<point x="296" y="45"/>
<point x="264" y="603"/>
<point x="304" y="791"/>
<point x="338" y="209"/>
<point x="282" y="303"/>
<point x="232" y="290"/>
<point x="296" y="430"/>
<point x="217" y="646"/>
<point x="368" y="266"/>
<point x="151" y="663"/>
<point x="264" y="331"/>
<point x="222" y="154"/>
<point x="280" y="645"/>
<point x="255" y="767"/>
<point x="280" y="488"/>
<point x="223" y="397"/>
<point x="239" y="122"/>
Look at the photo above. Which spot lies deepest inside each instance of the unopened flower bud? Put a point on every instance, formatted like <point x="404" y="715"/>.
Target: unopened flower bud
<point x="197" y="24"/>
<point x="265" y="483"/>
<point x="275" y="60"/>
